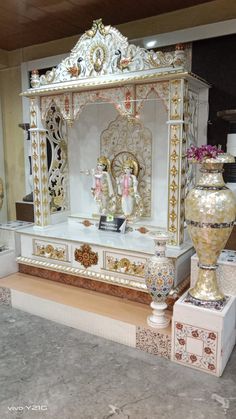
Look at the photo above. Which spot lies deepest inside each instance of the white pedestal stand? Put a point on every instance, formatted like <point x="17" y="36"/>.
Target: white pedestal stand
<point x="158" y="318"/>
<point x="203" y="338"/>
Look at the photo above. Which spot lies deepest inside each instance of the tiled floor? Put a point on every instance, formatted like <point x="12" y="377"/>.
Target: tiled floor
<point x="52" y="371"/>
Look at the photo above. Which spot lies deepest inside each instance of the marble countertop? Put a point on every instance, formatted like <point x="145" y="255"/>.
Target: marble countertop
<point x="130" y="241"/>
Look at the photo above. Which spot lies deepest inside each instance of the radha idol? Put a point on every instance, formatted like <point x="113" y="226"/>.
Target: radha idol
<point x="127" y="184"/>
<point x="102" y="189"/>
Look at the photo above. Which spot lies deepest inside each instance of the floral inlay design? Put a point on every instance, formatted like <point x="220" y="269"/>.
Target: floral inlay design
<point x="194" y="346"/>
<point x="86" y="256"/>
<point x="153" y="342"/>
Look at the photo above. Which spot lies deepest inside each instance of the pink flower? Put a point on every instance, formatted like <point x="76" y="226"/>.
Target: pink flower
<point x="203" y="152"/>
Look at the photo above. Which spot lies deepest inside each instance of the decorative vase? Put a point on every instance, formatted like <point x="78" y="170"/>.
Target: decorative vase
<point x="159" y="278"/>
<point x="210" y="210"/>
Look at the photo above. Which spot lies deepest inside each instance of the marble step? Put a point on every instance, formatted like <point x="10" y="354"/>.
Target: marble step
<point x="110" y="317"/>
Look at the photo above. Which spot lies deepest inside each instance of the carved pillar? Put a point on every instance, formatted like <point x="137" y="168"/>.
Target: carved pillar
<point x="177" y="159"/>
<point x="39" y="165"/>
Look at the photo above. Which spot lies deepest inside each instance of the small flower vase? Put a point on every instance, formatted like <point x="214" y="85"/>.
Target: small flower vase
<point x="159" y="278"/>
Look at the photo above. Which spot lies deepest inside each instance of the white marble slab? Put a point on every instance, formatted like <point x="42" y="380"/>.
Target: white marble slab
<point x="131" y="241"/>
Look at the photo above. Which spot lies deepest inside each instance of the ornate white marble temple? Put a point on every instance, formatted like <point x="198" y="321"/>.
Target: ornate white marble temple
<point x="113" y="98"/>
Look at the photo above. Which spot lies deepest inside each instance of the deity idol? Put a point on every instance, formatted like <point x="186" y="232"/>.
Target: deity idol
<point x="127" y="184"/>
<point x="102" y="189"/>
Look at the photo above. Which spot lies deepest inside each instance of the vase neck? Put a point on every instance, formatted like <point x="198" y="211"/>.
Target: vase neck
<point x="160" y="248"/>
<point x="211" y="175"/>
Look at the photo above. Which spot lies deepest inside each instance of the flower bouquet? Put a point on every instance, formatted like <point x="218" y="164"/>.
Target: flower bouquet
<point x="208" y="154"/>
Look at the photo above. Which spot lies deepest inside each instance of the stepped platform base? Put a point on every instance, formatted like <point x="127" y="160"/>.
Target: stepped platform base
<point x="101" y="287"/>
<point x="106" y="316"/>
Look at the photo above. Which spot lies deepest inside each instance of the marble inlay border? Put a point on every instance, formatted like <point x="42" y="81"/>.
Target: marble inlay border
<point x="5" y="296"/>
<point x="210" y="305"/>
<point x="213" y="188"/>
<point x="209" y="225"/>
<point x="196" y="347"/>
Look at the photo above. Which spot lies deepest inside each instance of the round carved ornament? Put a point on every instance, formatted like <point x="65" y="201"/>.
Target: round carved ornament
<point x="118" y="163"/>
<point x="86" y="256"/>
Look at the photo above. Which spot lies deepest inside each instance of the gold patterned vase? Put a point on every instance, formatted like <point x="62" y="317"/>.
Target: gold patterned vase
<point x="210" y="210"/>
<point x="159" y="278"/>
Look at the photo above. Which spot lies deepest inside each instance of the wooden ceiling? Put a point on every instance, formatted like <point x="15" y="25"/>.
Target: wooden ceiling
<point x="29" y="22"/>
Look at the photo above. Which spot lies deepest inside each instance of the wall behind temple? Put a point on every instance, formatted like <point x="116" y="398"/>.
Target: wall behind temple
<point x="10" y="88"/>
<point x="214" y="60"/>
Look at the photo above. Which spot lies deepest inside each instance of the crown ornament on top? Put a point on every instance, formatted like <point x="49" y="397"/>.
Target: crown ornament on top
<point x="104" y="51"/>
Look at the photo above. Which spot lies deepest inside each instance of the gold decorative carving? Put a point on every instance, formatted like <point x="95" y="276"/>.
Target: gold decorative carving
<point x="177" y="146"/>
<point x="38" y="137"/>
<point x="125" y="266"/>
<point x="50" y="251"/>
<point x="86" y="256"/>
<point x="174" y="171"/>
<point x="98" y="26"/>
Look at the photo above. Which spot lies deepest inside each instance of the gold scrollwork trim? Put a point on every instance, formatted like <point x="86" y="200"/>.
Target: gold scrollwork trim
<point x="86" y="273"/>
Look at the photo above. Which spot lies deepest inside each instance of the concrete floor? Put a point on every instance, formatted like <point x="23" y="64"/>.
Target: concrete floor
<point x="73" y="375"/>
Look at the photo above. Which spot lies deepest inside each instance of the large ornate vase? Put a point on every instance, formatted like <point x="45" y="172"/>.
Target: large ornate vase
<point x="159" y="278"/>
<point x="210" y="210"/>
